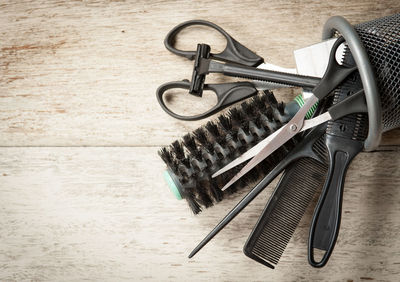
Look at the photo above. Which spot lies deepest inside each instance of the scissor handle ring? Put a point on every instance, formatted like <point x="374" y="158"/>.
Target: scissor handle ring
<point x="360" y="56"/>
<point x="184" y="84"/>
<point x="170" y="38"/>
<point x="227" y="94"/>
<point x="233" y="52"/>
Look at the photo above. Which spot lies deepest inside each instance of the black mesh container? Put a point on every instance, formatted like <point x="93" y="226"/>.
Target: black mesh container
<point x="381" y="39"/>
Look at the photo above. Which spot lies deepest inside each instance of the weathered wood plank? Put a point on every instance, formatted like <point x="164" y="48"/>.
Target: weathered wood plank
<point x="85" y="73"/>
<point x="106" y="214"/>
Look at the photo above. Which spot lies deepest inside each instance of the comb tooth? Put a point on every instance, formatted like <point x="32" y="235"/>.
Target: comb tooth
<point x="284" y="211"/>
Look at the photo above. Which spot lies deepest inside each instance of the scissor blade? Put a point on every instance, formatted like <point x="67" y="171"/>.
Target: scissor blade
<point x="257" y="148"/>
<point x="293" y="127"/>
<point x="249" y="154"/>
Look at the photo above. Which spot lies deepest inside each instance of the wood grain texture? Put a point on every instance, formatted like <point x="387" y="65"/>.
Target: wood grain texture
<point x="105" y="214"/>
<point x="76" y="74"/>
<point x="85" y="73"/>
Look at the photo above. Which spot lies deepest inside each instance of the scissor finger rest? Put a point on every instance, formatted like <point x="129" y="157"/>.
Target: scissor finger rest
<point x="227" y="94"/>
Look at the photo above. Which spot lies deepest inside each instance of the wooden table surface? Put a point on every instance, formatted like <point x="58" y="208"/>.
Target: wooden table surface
<point x="81" y="188"/>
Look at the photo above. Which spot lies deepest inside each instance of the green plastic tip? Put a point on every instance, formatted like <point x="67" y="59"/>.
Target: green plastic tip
<point x="172" y="186"/>
<point x="300" y="101"/>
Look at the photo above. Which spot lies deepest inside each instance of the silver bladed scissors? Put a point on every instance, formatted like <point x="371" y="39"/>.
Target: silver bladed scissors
<point x="333" y="76"/>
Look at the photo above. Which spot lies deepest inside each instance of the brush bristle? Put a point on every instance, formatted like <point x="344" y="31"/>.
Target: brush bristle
<point x="199" y="154"/>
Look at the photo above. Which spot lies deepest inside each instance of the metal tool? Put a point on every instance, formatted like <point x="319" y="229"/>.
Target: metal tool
<point x="235" y="60"/>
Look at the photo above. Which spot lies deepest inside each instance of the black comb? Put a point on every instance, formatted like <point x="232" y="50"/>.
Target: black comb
<point x="287" y="205"/>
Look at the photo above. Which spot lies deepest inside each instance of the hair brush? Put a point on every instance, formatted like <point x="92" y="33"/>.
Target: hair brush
<point x="192" y="159"/>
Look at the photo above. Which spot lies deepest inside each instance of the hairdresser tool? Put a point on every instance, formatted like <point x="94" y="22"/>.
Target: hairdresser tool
<point x="300" y="182"/>
<point x="237" y="61"/>
<point x="304" y="176"/>
<point x="344" y="139"/>
<point x="194" y="158"/>
<point x="189" y="163"/>
<point x="387" y="65"/>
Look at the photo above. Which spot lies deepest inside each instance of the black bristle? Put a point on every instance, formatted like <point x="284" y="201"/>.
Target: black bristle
<point x="177" y="149"/>
<point x="169" y="159"/>
<point x="200" y="136"/>
<point x="258" y="122"/>
<point x="165" y="155"/>
<point x="186" y="162"/>
<point x="204" y="198"/>
<point x="236" y="115"/>
<point x="270" y="98"/>
<point x="251" y="109"/>
<point x="246" y="127"/>
<point x="183" y="171"/>
<point x="195" y="157"/>
<point x="225" y="122"/>
<point x="263" y="99"/>
<point x="217" y="192"/>
<point x="191" y="200"/>
<point x="234" y="135"/>
<point x="281" y="108"/>
<point x="259" y="102"/>
<point x="269" y="113"/>
<point x="246" y="108"/>
<point x="212" y="129"/>
<point x="190" y="144"/>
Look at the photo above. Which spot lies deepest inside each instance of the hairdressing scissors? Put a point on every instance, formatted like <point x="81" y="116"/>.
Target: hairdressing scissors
<point x="235" y="60"/>
<point x="334" y="75"/>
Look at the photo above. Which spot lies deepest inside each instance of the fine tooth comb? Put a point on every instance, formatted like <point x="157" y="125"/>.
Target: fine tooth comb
<point x="287" y="205"/>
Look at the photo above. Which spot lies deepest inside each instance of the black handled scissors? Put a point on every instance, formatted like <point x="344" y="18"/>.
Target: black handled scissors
<point x="235" y="60"/>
